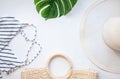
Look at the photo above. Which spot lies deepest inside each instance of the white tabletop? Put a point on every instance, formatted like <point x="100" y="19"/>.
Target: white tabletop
<point x="61" y="35"/>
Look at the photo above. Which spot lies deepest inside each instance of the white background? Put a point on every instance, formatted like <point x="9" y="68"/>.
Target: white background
<point x="60" y="35"/>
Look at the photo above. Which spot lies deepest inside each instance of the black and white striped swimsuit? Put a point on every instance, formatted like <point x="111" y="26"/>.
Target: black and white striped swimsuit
<point x="9" y="27"/>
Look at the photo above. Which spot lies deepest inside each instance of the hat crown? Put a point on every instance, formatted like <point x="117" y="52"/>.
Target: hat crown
<point x="111" y="33"/>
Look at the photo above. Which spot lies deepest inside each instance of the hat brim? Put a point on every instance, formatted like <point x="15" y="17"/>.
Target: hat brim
<point x="92" y="41"/>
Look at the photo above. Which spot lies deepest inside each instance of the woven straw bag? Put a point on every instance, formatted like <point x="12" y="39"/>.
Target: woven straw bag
<point x="44" y="73"/>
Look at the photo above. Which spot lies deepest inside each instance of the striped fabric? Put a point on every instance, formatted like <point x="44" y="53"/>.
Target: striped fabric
<point x="8" y="61"/>
<point x="9" y="27"/>
<point x="0" y="76"/>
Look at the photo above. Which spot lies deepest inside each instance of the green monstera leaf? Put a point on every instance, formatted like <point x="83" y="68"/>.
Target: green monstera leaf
<point x="54" y="8"/>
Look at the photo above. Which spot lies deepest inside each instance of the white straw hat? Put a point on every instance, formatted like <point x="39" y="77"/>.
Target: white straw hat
<point x="100" y="34"/>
